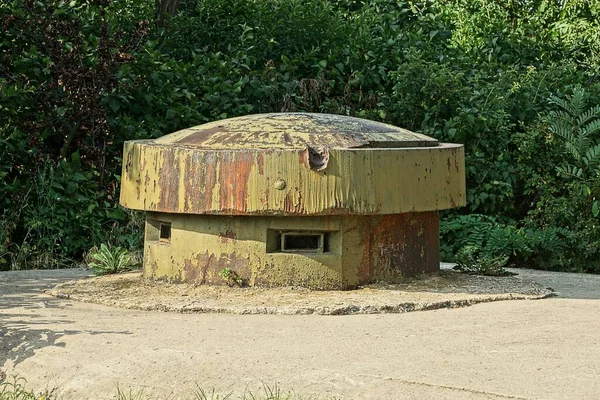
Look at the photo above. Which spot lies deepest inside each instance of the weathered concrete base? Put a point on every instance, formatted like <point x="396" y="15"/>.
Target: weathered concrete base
<point x="357" y="250"/>
<point x="449" y="290"/>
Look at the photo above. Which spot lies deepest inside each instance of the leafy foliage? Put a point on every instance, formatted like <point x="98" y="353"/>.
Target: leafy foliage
<point x="486" y="238"/>
<point x="578" y="129"/>
<point x="505" y="79"/>
<point x="469" y="263"/>
<point x="231" y="277"/>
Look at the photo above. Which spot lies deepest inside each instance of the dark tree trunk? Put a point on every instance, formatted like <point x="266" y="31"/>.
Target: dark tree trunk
<point x="165" y="8"/>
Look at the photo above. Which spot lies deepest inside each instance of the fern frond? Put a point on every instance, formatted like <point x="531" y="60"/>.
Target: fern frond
<point x="570" y="171"/>
<point x="583" y="143"/>
<point x="592" y="156"/>
<point x="590" y="114"/>
<point x="573" y="148"/>
<point x="577" y="101"/>
<point x="477" y="236"/>
<point x="561" y="118"/>
<point x="591" y="127"/>
<point x="563" y="131"/>
<point x="574" y="104"/>
<point x="562" y="103"/>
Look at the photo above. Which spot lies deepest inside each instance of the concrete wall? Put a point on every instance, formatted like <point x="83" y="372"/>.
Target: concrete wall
<point x="359" y="249"/>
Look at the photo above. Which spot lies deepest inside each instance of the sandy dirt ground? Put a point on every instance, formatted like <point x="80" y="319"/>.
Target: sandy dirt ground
<point x="526" y="349"/>
<point x="448" y="289"/>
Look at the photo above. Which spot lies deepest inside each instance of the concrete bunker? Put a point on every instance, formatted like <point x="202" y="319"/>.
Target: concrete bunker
<point x="315" y="200"/>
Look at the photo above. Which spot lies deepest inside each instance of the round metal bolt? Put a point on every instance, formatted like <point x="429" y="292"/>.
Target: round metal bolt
<point x="280" y="184"/>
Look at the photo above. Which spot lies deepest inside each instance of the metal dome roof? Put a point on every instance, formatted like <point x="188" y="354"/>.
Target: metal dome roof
<point x="295" y="131"/>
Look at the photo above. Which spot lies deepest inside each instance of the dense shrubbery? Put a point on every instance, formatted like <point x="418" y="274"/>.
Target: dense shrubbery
<point x="516" y="82"/>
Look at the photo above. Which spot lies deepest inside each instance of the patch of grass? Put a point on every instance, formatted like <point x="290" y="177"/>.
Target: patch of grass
<point x="271" y="393"/>
<point x="201" y="394"/>
<point x="14" y="389"/>
<point x="131" y="395"/>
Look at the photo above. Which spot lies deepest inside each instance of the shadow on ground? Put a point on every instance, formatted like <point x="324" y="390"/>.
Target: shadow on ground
<point x="21" y="334"/>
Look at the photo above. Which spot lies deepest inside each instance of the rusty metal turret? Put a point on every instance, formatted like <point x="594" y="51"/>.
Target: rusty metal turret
<point x="317" y="200"/>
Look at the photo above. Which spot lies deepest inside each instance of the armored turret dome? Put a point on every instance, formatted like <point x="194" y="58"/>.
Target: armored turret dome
<point x="295" y="131"/>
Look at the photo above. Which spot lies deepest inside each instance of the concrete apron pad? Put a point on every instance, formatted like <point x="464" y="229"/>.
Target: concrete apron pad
<point x="449" y="289"/>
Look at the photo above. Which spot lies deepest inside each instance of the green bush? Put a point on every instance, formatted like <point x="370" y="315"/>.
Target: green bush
<point x="489" y="238"/>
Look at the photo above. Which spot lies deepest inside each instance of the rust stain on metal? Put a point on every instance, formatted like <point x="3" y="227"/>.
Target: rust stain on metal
<point x="197" y="269"/>
<point x="138" y="191"/>
<point x="364" y="269"/>
<point x="235" y="168"/>
<point x="291" y="205"/>
<point x="200" y="137"/>
<point x="304" y="157"/>
<point x="260" y="162"/>
<point x="206" y="268"/>
<point x="227" y="236"/>
<point x="264" y="199"/>
<point x="209" y="181"/>
<point x="452" y="202"/>
<point x="129" y="161"/>
<point x="168" y="181"/>
<point x="397" y="248"/>
<point x="198" y="187"/>
<point x="189" y="183"/>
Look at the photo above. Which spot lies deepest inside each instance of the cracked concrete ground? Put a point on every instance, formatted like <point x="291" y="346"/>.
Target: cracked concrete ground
<point x="528" y="349"/>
